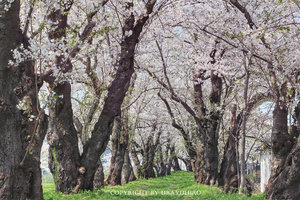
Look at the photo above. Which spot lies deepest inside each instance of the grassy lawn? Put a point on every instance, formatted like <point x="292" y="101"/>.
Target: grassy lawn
<point x="179" y="185"/>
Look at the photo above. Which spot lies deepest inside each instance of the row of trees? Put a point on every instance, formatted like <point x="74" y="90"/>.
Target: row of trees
<point x="162" y="80"/>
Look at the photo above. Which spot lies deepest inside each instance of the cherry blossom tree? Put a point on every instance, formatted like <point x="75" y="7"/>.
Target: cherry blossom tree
<point x="183" y="78"/>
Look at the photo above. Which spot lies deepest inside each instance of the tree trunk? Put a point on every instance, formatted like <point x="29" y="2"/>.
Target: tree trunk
<point x="116" y="93"/>
<point x="114" y="150"/>
<point x="151" y="146"/>
<point x="211" y="154"/>
<point x="120" y="140"/>
<point x="119" y="145"/>
<point x="243" y="135"/>
<point x="176" y="166"/>
<point x="136" y="161"/>
<point x="198" y="163"/>
<point x="20" y="139"/>
<point x="284" y="182"/>
<point x="12" y="177"/>
<point x="209" y="131"/>
<point x="99" y="176"/>
<point x="169" y="157"/>
<point x="169" y="166"/>
<point x="161" y="167"/>
<point x="32" y="160"/>
<point x="62" y="137"/>
<point x="103" y="128"/>
<point x="228" y="172"/>
<point x="188" y="164"/>
<point x="63" y="141"/>
<point x="127" y="171"/>
<point x="147" y="170"/>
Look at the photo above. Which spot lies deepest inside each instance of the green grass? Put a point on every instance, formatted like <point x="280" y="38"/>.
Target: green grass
<point x="47" y="178"/>
<point x="157" y="188"/>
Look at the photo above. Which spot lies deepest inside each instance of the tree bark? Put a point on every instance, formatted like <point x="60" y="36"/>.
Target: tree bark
<point x="169" y="161"/>
<point x="188" y="165"/>
<point x="198" y="163"/>
<point x="63" y="141"/>
<point x="116" y="93"/>
<point x="127" y="171"/>
<point x="20" y="138"/>
<point x="62" y="136"/>
<point x="12" y="177"/>
<point x="209" y="136"/>
<point x="228" y="172"/>
<point x="120" y="141"/>
<point x="210" y="156"/>
<point x="136" y="161"/>
<point x="243" y="135"/>
<point x="161" y="166"/>
<point x="169" y="157"/>
<point x="284" y="182"/>
<point x="99" y="176"/>
<point x="119" y="145"/>
<point x="147" y="170"/>
<point x="114" y="149"/>
<point x="175" y="163"/>
<point x="32" y="160"/>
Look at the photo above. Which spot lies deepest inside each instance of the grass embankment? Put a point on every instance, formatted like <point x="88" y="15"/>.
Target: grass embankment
<point x="179" y="185"/>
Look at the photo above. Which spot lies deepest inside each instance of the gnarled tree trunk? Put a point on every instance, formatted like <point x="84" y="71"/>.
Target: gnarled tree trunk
<point x="116" y="93"/>
<point x="62" y="136"/>
<point x="169" y="157"/>
<point x="160" y="166"/>
<point x="32" y="160"/>
<point x="198" y="163"/>
<point x="210" y="134"/>
<point x="127" y="171"/>
<point x="284" y="182"/>
<point x="119" y="141"/>
<point x="63" y="141"/>
<point x="148" y="151"/>
<point x="147" y="170"/>
<point x="175" y="163"/>
<point x="99" y="176"/>
<point x="136" y="161"/>
<point x="12" y="177"/>
<point x="20" y="138"/>
<point x="210" y="157"/>
<point x="229" y="172"/>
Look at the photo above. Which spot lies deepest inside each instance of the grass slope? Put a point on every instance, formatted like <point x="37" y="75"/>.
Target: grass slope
<point x="179" y="185"/>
